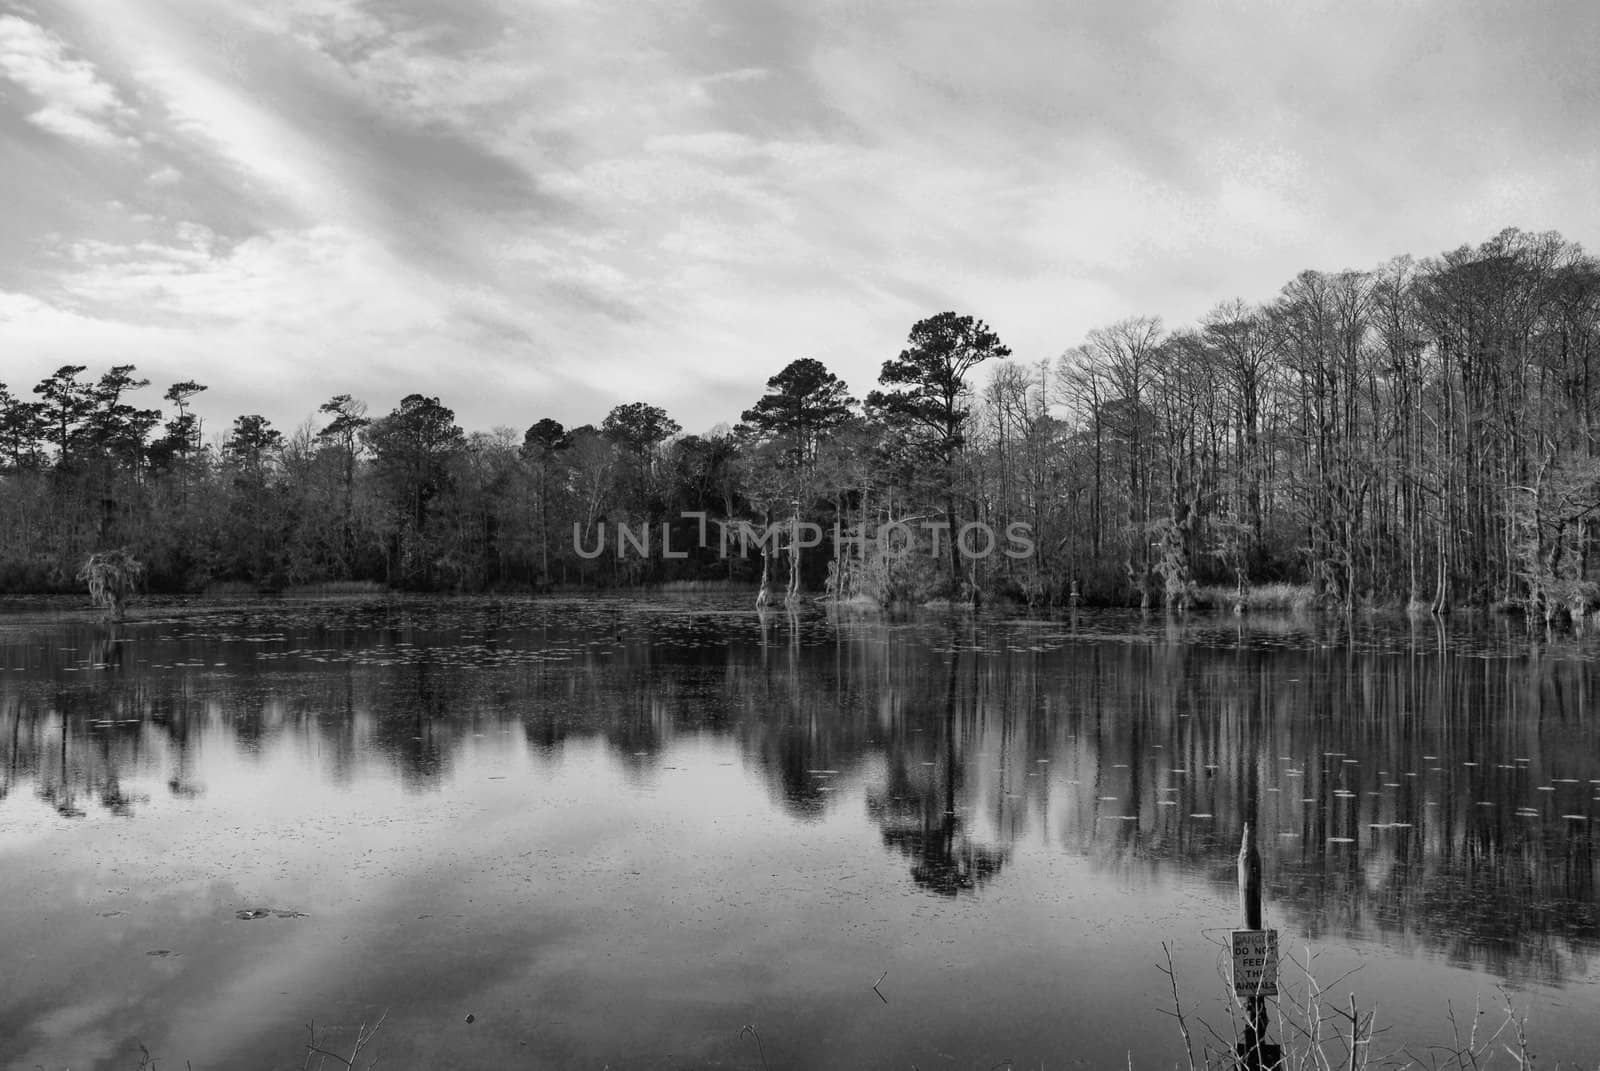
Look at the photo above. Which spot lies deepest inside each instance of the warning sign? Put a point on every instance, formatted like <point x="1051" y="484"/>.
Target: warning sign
<point x="1255" y="963"/>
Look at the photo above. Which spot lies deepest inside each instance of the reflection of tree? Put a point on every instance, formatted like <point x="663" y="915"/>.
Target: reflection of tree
<point x="10" y="713"/>
<point x="1072" y="739"/>
<point x="55" y="784"/>
<point x="801" y="742"/>
<point x="799" y="729"/>
<point x="115" y="799"/>
<point x="944" y="859"/>
<point x="415" y="727"/>
<point x="919" y="817"/>
<point x="106" y="648"/>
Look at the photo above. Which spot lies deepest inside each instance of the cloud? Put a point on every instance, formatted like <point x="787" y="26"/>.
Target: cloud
<point x="77" y="103"/>
<point x="273" y="159"/>
<point x="524" y="205"/>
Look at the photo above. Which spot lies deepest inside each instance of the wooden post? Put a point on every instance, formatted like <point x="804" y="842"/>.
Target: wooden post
<point x="1249" y="881"/>
<point x="1255" y="1053"/>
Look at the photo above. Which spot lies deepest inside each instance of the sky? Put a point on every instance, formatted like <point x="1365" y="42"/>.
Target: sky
<point x="546" y="208"/>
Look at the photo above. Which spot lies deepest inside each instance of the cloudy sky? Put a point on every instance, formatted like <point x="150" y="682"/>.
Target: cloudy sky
<point x="546" y="207"/>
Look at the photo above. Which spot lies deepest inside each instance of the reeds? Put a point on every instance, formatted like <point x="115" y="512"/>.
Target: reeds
<point x="1261" y="598"/>
<point x="1321" y="1031"/>
<point x="703" y="587"/>
<point x="363" y="1039"/>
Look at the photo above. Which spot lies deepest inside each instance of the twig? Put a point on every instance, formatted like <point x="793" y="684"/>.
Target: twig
<point x="875" y="985"/>
<point x="363" y="1038"/>
<point x="1177" y="1004"/>
<point x="760" y="1048"/>
<point x="1519" y="1024"/>
<point x="311" y="1048"/>
<point x="1355" y="1031"/>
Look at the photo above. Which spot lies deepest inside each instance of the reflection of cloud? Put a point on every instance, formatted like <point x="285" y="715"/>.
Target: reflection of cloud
<point x="78" y="1031"/>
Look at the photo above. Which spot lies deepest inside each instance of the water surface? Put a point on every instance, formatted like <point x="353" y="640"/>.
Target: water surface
<point x="615" y="832"/>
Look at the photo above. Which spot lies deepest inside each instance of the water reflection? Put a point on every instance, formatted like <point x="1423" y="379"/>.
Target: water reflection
<point x="919" y="807"/>
<point x="1413" y="786"/>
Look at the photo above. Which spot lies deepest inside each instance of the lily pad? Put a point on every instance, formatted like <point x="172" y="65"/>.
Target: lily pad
<point x="250" y="913"/>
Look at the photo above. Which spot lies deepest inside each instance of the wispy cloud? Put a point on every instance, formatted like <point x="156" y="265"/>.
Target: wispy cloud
<point x="74" y="101"/>
<point x="539" y="207"/>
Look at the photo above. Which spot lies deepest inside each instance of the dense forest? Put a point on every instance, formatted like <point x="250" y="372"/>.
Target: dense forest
<point x="1416" y="435"/>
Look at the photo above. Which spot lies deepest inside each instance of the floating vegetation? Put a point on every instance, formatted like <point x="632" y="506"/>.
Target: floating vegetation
<point x="252" y="913"/>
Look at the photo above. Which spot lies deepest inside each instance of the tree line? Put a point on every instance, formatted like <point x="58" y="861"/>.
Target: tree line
<point x="1415" y="434"/>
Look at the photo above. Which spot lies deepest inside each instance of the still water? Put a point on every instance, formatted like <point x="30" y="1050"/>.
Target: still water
<point x="615" y="833"/>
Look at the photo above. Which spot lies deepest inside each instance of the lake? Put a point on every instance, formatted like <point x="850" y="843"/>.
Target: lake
<point x="613" y="833"/>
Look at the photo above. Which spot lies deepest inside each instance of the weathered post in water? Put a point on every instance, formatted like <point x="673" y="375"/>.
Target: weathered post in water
<point x="1255" y="962"/>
